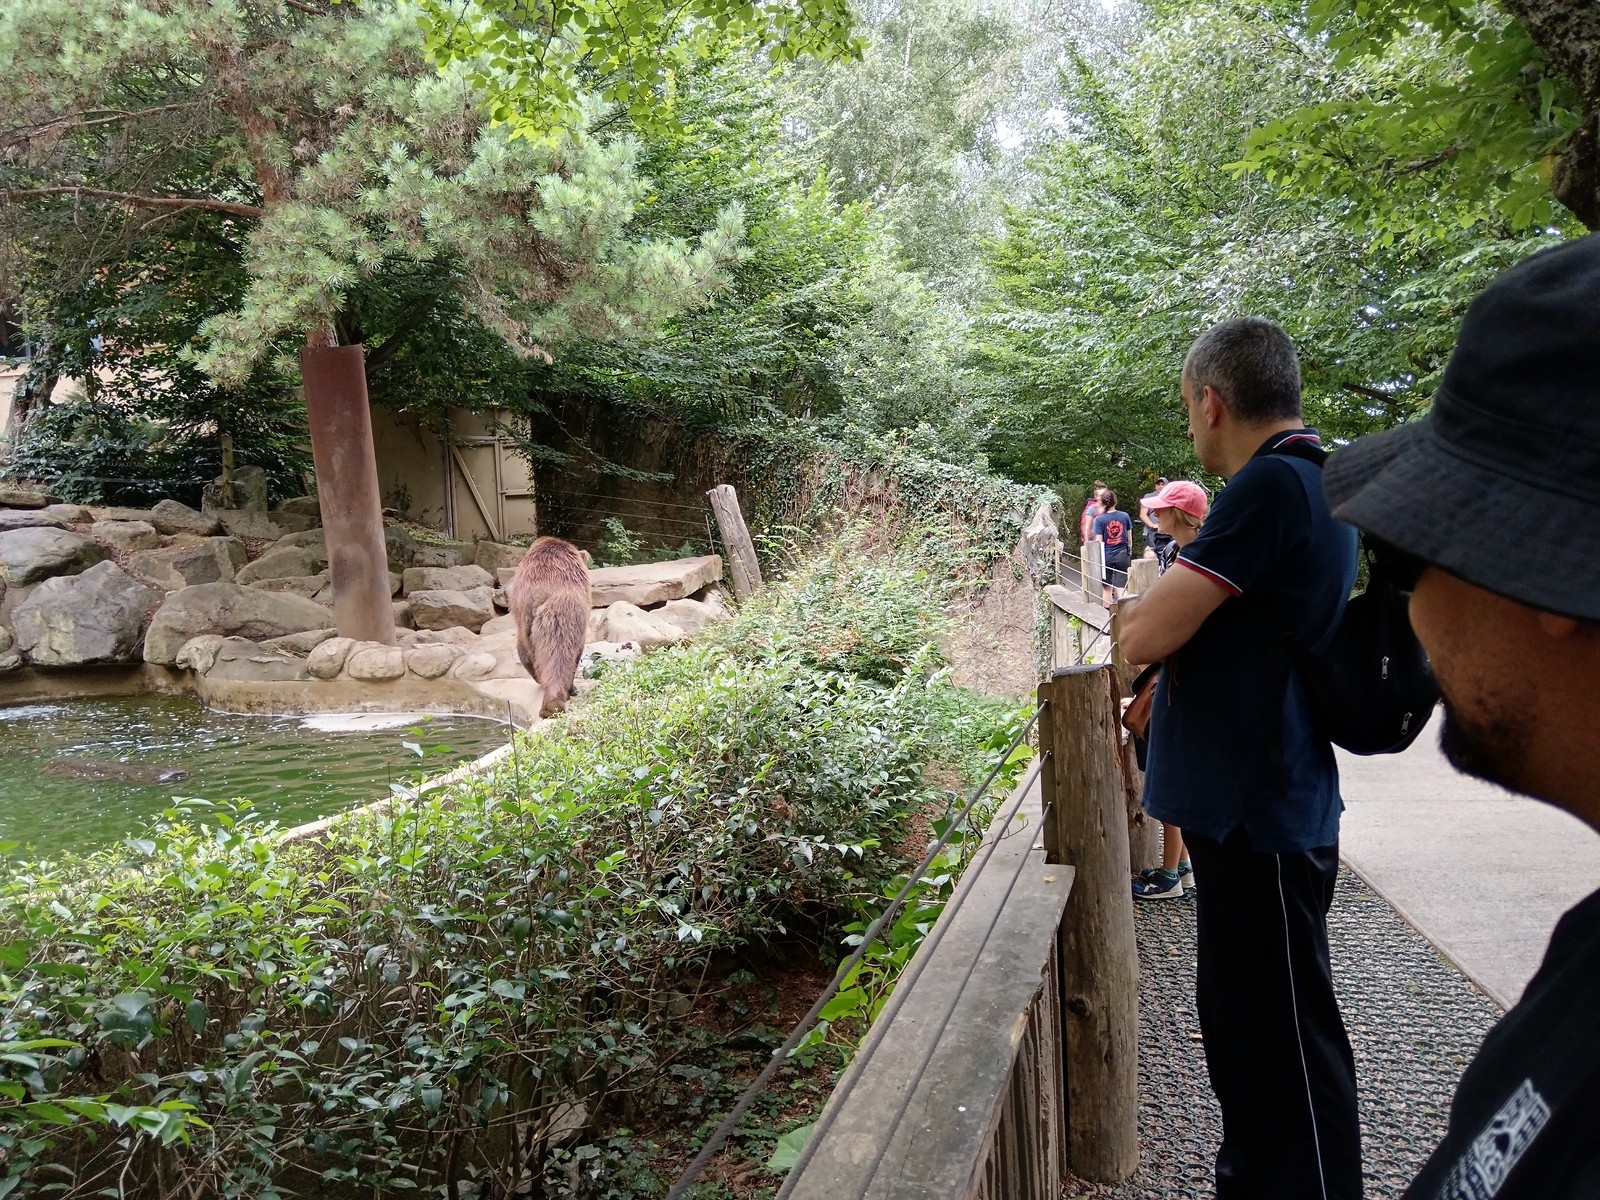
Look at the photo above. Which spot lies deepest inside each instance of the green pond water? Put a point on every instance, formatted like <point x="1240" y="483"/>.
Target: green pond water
<point x="293" y="769"/>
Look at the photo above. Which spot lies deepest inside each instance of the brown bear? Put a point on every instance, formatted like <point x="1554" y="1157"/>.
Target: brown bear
<point x="549" y="599"/>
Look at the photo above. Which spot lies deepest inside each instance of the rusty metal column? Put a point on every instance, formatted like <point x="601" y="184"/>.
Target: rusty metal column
<point x="347" y="487"/>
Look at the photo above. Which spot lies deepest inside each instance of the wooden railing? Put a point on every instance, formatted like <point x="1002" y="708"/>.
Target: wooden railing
<point x="1008" y="1050"/>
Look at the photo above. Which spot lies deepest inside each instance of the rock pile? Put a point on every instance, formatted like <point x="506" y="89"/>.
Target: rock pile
<point x="84" y="587"/>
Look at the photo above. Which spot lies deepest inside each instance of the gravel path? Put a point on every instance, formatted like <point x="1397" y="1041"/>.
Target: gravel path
<point x="1414" y="1021"/>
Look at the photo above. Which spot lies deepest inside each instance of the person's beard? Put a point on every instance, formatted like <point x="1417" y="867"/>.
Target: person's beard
<point x="1493" y="750"/>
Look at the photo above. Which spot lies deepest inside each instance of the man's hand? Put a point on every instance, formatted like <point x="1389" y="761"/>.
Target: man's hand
<point x="1167" y="616"/>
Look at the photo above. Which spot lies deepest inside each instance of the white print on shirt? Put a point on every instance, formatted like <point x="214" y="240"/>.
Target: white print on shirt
<point x="1479" y="1172"/>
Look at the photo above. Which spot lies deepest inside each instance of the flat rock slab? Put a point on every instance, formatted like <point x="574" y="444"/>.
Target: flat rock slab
<point x="445" y="608"/>
<point x="29" y="555"/>
<point x="30" y="518"/>
<point x="439" y="579"/>
<point x="653" y="583"/>
<point x="244" y="661"/>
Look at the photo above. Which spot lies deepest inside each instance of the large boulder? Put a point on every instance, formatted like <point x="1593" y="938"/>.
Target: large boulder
<point x="72" y="514"/>
<point x="281" y="562"/>
<point x="443" y="608"/>
<point x="629" y="623"/>
<point x="263" y="526"/>
<point x="30" y="518"/>
<point x="126" y="536"/>
<point x="653" y="583"/>
<point x="169" y="516"/>
<point x="29" y="555"/>
<point x="231" y="609"/>
<point x="312" y="587"/>
<point x="81" y="620"/>
<point x="21" y="497"/>
<point x="305" y="506"/>
<point x="691" y="616"/>
<point x="493" y="556"/>
<point x="249" y="492"/>
<point x="210" y="560"/>
<point x="451" y="579"/>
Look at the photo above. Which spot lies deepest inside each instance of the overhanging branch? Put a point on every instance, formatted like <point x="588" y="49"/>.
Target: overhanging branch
<point x="12" y="195"/>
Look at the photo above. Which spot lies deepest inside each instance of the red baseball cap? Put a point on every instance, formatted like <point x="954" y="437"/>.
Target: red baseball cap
<point x="1183" y="496"/>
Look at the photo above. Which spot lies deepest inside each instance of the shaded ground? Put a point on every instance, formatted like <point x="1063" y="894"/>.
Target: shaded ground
<point x="1414" y="1022"/>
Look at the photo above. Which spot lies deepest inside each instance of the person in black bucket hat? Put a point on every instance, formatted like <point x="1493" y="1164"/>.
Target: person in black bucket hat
<point x="1515" y="644"/>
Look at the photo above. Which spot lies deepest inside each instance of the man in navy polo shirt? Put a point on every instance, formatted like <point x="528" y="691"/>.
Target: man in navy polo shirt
<point x="1235" y="762"/>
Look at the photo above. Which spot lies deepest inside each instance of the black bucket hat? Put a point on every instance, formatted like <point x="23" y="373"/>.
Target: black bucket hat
<point x="1499" y="484"/>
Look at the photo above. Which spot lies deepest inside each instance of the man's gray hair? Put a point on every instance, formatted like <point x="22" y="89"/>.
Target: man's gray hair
<point x="1251" y="364"/>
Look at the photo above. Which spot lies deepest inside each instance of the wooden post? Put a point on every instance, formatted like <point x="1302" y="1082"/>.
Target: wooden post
<point x="1066" y="638"/>
<point x="1085" y="826"/>
<point x="1144" y="833"/>
<point x="742" y="564"/>
<point x="1142" y="572"/>
<point x="1092" y="569"/>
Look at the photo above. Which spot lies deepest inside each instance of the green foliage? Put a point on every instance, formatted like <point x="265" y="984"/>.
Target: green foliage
<point x="618" y="548"/>
<point x="1138" y="237"/>
<point x="375" y="1010"/>
<point x="818" y="320"/>
<point x="912" y="127"/>
<point x="370" y="160"/>
<point x="539" y="65"/>
<point x="1450" y="116"/>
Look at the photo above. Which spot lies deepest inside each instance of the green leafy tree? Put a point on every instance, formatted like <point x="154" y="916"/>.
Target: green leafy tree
<point x="1139" y="235"/>
<point x="913" y="127"/>
<point x="819" y="319"/>
<point x="1444" y="113"/>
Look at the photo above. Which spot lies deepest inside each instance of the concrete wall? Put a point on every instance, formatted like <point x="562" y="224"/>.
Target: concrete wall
<point x="449" y="481"/>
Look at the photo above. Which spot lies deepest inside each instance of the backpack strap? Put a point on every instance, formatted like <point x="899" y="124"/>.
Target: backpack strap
<point x="1277" y="759"/>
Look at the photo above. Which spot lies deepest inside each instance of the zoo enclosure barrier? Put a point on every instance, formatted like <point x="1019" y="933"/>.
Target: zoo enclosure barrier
<point x="1008" y="1051"/>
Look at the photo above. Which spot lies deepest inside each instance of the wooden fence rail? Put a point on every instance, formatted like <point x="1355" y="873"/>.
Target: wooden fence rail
<point x="1009" y="1048"/>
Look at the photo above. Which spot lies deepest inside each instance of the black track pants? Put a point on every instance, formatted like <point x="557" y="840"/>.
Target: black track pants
<point x="1275" y="1044"/>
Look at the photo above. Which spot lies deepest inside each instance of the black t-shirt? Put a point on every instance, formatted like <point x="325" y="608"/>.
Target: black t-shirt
<point x="1226" y="695"/>
<point x="1115" y="528"/>
<point x="1525" y="1122"/>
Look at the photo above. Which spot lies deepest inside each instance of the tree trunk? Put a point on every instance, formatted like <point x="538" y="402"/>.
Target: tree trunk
<point x="1568" y="31"/>
<point x="347" y="487"/>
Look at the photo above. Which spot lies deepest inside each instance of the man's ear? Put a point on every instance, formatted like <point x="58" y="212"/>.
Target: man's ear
<point x="1211" y="407"/>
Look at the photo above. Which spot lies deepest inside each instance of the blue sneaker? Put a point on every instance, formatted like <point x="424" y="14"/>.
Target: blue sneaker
<point x="1157" y="883"/>
<point x="1186" y="875"/>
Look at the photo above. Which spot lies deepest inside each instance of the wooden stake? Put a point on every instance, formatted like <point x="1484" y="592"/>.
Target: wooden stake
<point x="1086" y="827"/>
<point x="742" y="564"/>
<point x="1144" y="833"/>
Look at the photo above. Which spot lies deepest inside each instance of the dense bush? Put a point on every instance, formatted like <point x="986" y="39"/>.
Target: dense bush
<point x="421" y="997"/>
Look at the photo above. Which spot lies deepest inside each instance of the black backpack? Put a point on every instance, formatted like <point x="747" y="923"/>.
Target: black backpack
<point x="1372" y="690"/>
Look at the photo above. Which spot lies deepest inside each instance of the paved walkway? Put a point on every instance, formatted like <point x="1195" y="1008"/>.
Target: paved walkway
<point x="1482" y="874"/>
